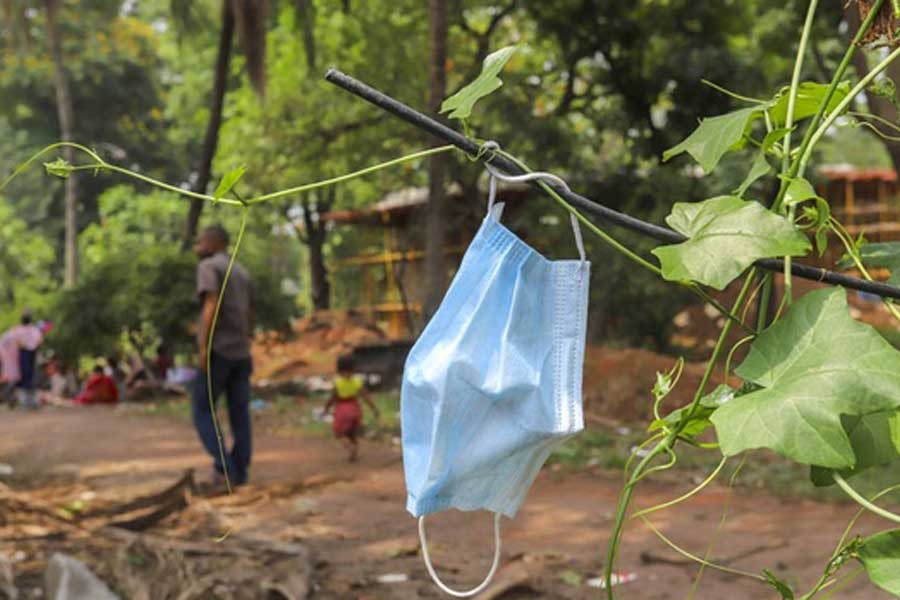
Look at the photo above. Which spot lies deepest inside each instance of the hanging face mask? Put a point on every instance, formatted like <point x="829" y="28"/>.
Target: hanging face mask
<point x="493" y="384"/>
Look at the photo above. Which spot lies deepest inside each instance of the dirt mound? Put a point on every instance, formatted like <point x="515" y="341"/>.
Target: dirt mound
<point x="617" y="383"/>
<point x="312" y="346"/>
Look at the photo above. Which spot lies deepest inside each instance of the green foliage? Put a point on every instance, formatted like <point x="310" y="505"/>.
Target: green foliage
<point x="809" y="96"/>
<point x="460" y="104"/>
<point x="725" y="236"/>
<point x="229" y="180"/>
<point x="880" y="555"/>
<point x="874" y="439"/>
<point x="814" y="364"/>
<point x="715" y="136"/>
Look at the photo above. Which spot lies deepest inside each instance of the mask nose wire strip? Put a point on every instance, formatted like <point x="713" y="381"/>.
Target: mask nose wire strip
<point x="495" y="174"/>
<point x="487" y="580"/>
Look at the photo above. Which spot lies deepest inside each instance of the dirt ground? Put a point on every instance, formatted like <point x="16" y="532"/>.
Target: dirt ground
<point x="354" y="525"/>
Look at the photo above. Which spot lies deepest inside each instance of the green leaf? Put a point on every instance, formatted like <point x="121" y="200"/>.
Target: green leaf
<point x="699" y="422"/>
<point x="229" y="180"/>
<point x="874" y="441"/>
<point x="726" y="235"/>
<point x="461" y="103"/>
<point x="714" y="137"/>
<point x="59" y="167"/>
<point x="780" y="586"/>
<point x="814" y="364"/>
<point x="809" y="96"/>
<point x="799" y="190"/>
<point x="760" y="166"/>
<point x="880" y="555"/>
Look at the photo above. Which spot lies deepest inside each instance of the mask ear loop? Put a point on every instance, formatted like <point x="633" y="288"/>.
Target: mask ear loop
<point x="487" y="580"/>
<point x="495" y="174"/>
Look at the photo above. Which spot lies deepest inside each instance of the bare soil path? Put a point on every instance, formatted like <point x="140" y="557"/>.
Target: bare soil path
<point x="357" y="530"/>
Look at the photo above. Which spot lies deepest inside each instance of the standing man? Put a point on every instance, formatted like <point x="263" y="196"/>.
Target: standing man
<point x="229" y="356"/>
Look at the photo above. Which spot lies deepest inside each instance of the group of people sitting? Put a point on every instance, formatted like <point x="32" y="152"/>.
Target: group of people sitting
<point x="29" y="377"/>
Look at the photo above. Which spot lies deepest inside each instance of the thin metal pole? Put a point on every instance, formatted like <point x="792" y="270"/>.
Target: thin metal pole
<point x="663" y="234"/>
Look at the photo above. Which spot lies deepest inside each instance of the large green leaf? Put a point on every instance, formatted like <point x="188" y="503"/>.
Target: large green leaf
<point x="461" y="103"/>
<point x="726" y="235"/>
<point x="809" y="96"/>
<point x="814" y="365"/>
<point x="714" y="137"/>
<point x="880" y="555"/>
<point x="874" y="441"/>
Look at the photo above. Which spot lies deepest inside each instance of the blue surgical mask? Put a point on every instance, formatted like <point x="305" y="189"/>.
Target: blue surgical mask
<point x="493" y="384"/>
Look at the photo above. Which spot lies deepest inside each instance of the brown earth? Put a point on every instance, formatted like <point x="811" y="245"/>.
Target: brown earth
<point x="353" y="523"/>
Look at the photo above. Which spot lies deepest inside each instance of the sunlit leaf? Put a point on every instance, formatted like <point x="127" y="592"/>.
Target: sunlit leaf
<point x="714" y="137"/>
<point x="460" y="104"/>
<point x="880" y="555"/>
<point x="813" y="365"/>
<point x="725" y="236"/>
<point x="229" y="180"/>
<point x="809" y="96"/>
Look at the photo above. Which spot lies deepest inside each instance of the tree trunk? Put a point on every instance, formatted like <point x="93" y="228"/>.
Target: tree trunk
<point x="435" y="272"/>
<point x="211" y="140"/>
<point x="306" y="12"/>
<point x="66" y="114"/>
<point x="320" y="287"/>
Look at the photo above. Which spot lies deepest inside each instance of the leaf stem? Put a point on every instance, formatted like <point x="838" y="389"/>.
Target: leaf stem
<point x="209" y="347"/>
<point x="693" y="492"/>
<point x="861" y="500"/>
<point x="696" y="558"/>
<point x="340" y="179"/>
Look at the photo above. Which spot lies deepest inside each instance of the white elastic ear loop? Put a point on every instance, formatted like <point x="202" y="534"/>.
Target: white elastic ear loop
<point x="576" y="226"/>
<point x="492" y="192"/>
<point x="487" y="580"/>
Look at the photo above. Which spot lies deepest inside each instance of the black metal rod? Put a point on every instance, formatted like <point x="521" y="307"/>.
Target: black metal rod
<point x="664" y="234"/>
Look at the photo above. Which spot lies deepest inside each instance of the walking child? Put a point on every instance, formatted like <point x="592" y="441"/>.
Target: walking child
<point x="347" y="417"/>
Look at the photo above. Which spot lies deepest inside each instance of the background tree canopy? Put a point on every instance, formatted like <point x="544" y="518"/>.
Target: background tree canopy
<point x="582" y="97"/>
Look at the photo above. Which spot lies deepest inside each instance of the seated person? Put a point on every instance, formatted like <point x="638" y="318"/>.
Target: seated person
<point x="99" y="389"/>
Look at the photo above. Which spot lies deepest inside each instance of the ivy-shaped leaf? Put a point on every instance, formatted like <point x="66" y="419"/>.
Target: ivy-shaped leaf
<point x="726" y="235"/>
<point x="715" y="136"/>
<point x="229" y="180"/>
<point x="880" y="555"/>
<point x="809" y="96"/>
<point x="815" y="364"/>
<point x="874" y="441"/>
<point x="460" y="104"/>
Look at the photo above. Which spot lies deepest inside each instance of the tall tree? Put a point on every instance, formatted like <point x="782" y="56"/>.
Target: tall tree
<point x="435" y="272"/>
<point x="248" y="17"/>
<point x="66" y="114"/>
<point x="213" y="123"/>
